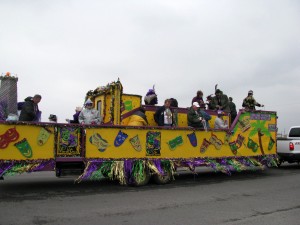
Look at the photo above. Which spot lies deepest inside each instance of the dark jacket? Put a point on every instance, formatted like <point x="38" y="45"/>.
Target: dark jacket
<point x="193" y="118"/>
<point x="200" y="101"/>
<point x="222" y="101"/>
<point x="29" y="110"/>
<point x="232" y="108"/>
<point x="249" y="103"/>
<point x="75" y="117"/>
<point x="159" y="116"/>
<point x="233" y="112"/>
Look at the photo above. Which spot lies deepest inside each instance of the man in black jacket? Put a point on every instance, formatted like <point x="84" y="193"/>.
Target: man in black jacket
<point x="233" y="111"/>
<point x="30" y="108"/>
<point x="163" y="116"/>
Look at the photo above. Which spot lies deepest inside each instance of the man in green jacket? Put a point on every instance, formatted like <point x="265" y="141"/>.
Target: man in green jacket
<point x="197" y="118"/>
<point x="249" y="102"/>
<point x="220" y="102"/>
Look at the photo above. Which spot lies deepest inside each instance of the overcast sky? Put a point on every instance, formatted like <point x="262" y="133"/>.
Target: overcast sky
<point x="63" y="48"/>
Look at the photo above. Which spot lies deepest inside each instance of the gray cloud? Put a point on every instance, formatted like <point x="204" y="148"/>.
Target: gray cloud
<point x="62" y="49"/>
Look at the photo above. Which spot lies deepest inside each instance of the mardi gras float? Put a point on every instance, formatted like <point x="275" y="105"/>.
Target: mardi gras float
<point x="132" y="154"/>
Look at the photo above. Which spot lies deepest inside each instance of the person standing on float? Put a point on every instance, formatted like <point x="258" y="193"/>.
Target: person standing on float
<point x="89" y="115"/>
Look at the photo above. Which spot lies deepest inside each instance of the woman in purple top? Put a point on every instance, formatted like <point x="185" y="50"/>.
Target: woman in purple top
<point x="75" y="116"/>
<point x="199" y="98"/>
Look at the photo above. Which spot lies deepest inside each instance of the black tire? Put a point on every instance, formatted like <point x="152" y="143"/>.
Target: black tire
<point x="279" y="162"/>
<point x="58" y="172"/>
<point x="163" y="179"/>
<point x="145" y="178"/>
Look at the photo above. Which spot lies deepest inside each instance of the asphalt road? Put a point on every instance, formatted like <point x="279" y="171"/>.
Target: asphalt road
<point x="271" y="196"/>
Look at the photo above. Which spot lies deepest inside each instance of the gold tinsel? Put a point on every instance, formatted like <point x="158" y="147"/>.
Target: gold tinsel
<point x="117" y="172"/>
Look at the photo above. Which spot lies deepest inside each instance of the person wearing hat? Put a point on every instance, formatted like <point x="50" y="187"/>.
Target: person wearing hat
<point x="249" y="102"/>
<point x="89" y="115"/>
<point x="78" y="109"/>
<point x="52" y="118"/>
<point x="219" y="121"/>
<point x="151" y="97"/>
<point x="220" y="101"/>
<point x="197" y="118"/>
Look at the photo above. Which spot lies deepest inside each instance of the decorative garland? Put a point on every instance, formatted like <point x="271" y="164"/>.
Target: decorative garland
<point x="130" y="171"/>
<point x="108" y="89"/>
<point x="13" y="167"/>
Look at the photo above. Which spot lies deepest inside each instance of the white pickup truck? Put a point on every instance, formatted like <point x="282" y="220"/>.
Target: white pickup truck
<point x="288" y="148"/>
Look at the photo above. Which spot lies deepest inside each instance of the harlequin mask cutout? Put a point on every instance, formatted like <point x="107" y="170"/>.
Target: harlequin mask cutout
<point x="43" y="136"/>
<point x="136" y="143"/>
<point x="204" y="146"/>
<point x="99" y="142"/>
<point x="9" y="136"/>
<point x="215" y="142"/>
<point x="121" y="137"/>
<point x="193" y="139"/>
<point x="24" y="148"/>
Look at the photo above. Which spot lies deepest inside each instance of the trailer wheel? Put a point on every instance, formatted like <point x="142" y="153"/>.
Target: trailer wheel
<point x="58" y="172"/>
<point x="279" y="162"/>
<point x="163" y="179"/>
<point x="144" y="179"/>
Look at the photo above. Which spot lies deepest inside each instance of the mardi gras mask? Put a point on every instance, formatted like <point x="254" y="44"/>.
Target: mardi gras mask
<point x="99" y="142"/>
<point x="24" y="147"/>
<point x="119" y="140"/>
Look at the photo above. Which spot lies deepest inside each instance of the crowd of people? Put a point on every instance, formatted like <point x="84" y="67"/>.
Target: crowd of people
<point x="30" y="112"/>
<point x="197" y="115"/>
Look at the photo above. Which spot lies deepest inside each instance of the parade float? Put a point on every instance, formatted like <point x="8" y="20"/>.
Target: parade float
<point x="132" y="154"/>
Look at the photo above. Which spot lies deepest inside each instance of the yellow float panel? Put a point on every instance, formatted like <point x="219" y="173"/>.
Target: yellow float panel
<point x="253" y="135"/>
<point x="26" y="142"/>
